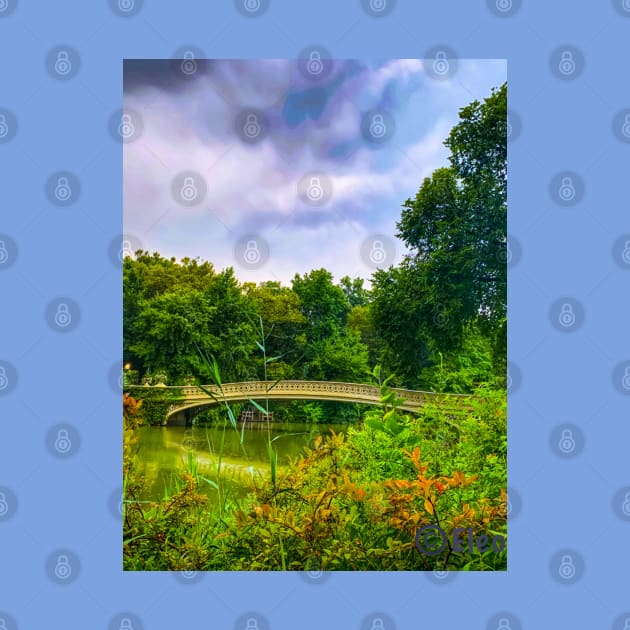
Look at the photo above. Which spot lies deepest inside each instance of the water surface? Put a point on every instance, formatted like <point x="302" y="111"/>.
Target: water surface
<point x="163" y="451"/>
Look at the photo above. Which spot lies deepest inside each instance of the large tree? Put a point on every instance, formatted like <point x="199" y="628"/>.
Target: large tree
<point x="455" y="229"/>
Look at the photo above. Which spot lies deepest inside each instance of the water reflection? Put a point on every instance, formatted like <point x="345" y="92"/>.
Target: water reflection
<point x="163" y="451"/>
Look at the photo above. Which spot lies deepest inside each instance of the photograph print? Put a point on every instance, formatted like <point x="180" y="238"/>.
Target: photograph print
<point x="314" y="265"/>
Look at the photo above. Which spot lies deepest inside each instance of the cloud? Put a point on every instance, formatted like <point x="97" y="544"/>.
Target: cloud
<point x="193" y="126"/>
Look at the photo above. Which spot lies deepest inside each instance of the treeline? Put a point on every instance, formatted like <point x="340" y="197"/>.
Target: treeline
<point x="437" y="320"/>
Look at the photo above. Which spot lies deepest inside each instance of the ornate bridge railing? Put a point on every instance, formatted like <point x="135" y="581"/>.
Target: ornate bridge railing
<point x="191" y="397"/>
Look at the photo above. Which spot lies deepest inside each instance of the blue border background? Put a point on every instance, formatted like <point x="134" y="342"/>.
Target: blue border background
<point x="560" y="377"/>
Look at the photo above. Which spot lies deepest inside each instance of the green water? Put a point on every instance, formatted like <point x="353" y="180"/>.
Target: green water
<point x="162" y="451"/>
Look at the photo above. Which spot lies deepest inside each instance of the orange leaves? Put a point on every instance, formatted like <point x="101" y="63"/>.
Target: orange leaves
<point x="352" y="490"/>
<point x="414" y="456"/>
<point x="458" y="479"/>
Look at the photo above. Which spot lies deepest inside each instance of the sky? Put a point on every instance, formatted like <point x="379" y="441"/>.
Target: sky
<point x="278" y="167"/>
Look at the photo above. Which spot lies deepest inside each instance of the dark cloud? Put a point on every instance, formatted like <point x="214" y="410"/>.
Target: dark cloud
<point x="163" y="74"/>
<point x="300" y="117"/>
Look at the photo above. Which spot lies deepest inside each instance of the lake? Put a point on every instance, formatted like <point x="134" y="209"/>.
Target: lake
<point x="162" y="451"/>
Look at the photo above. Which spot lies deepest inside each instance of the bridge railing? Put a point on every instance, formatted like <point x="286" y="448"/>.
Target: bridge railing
<point x="262" y="388"/>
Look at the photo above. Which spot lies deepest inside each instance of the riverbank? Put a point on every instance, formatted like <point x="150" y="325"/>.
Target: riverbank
<point x="351" y="500"/>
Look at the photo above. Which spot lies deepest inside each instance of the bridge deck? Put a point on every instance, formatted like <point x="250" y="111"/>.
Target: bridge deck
<point x="192" y="396"/>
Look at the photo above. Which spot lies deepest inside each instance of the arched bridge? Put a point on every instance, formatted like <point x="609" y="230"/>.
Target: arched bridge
<point x="190" y="398"/>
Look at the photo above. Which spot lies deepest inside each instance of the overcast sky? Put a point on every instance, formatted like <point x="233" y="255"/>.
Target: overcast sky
<point x="269" y="168"/>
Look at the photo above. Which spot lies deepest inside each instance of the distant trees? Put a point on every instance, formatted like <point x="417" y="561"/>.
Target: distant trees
<point x="173" y="311"/>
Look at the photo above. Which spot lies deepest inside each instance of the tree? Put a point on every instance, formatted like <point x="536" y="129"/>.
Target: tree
<point x="323" y="304"/>
<point x="455" y="229"/>
<point x="355" y="292"/>
<point x="456" y="226"/>
<point x="283" y="323"/>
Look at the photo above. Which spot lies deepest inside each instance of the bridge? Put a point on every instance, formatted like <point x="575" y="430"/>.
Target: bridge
<point x="188" y="400"/>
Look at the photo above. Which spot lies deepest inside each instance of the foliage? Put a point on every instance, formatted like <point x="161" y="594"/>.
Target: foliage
<point x="352" y="502"/>
<point x="454" y="279"/>
<point x="155" y="402"/>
